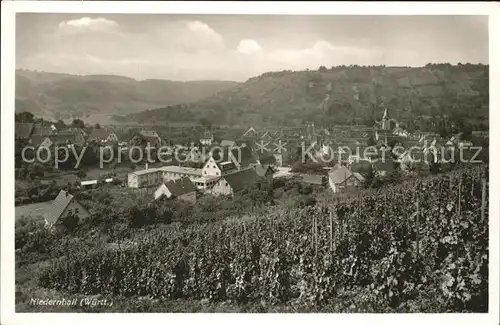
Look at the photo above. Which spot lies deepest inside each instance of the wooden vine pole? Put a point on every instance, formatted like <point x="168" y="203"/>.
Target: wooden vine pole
<point x="341" y="225"/>
<point x="315" y="236"/>
<point x="459" y="195"/>
<point x="472" y="185"/>
<point x="331" y="231"/>
<point x="439" y="198"/>
<point x="312" y="233"/>
<point x="483" y="199"/>
<point x="418" y="225"/>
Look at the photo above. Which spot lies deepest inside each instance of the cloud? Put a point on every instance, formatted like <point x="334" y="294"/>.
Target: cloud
<point x="249" y="46"/>
<point x="87" y="24"/>
<point x="323" y="53"/>
<point x="202" y="29"/>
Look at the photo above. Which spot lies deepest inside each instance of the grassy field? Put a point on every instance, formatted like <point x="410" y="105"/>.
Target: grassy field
<point x="35" y="209"/>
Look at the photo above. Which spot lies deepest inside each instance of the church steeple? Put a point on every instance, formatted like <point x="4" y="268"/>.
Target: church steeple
<point x="385" y="120"/>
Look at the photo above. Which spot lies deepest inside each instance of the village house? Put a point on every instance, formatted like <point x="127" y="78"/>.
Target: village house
<point x="341" y="179"/>
<point x="182" y="189"/>
<point x="102" y="136"/>
<point x="156" y="176"/>
<point x="235" y="182"/>
<point x="62" y="206"/>
<point x="145" y="178"/>
<point x="204" y="178"/>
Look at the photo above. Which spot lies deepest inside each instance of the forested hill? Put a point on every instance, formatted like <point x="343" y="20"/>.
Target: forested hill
<point x="64" y="96"/>
<point x="342" y="95"/>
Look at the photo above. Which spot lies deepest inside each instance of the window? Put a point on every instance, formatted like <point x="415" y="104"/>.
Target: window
<point x="77" y="211"/>
<point x="217" y="173"/>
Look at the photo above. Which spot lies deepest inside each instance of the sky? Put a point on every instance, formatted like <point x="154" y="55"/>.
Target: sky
<point x="237" y="47"/>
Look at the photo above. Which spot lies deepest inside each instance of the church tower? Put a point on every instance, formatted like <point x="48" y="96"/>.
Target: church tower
<point x="385" y="121"/>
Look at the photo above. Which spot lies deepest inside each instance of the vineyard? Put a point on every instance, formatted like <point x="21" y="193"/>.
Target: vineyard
<point x="418" y="247"/>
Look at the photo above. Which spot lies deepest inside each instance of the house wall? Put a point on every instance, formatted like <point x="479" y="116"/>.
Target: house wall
<point x="279" y="160"/>
<point x="222" y="188"/>
<point x="144" y="180"/>
<point x="211" y="168"/>
<point x="206" y="142"/>
<point x="170" y="176"/>
<point x="350" y="184"/>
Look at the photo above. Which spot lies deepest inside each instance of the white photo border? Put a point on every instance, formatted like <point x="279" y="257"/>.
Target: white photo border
<point x="9" y="10"/>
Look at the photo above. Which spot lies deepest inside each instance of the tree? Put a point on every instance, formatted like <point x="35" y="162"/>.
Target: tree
<point x="36" y="170"/>
<point x="369" y="177"/>
<point x="371" y="142"/>
<point x="70" y="222"/>
<point x="206" y="123"/>
<point x="24" y="117"/>
<point x="322" y="69"/>
<point x="77" y="123"/>
<point x="81" y="174"/>
<point x="97" y="126"/>
<point x="60" y="125"/>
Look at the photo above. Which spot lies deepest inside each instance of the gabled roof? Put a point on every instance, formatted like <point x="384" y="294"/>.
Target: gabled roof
<point x="180" y="186"/>
<point x="358" y="176"/>
<point x="58" y="207"/>
<point x="313" y="179"/>
<point x="339" y="175"/>
<point x="242" y="156"/>
<point x="241" y="179"/>
<point x="23" y="130"/>
<point x="251" y="132"/>
<point x="261" y="171"/>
